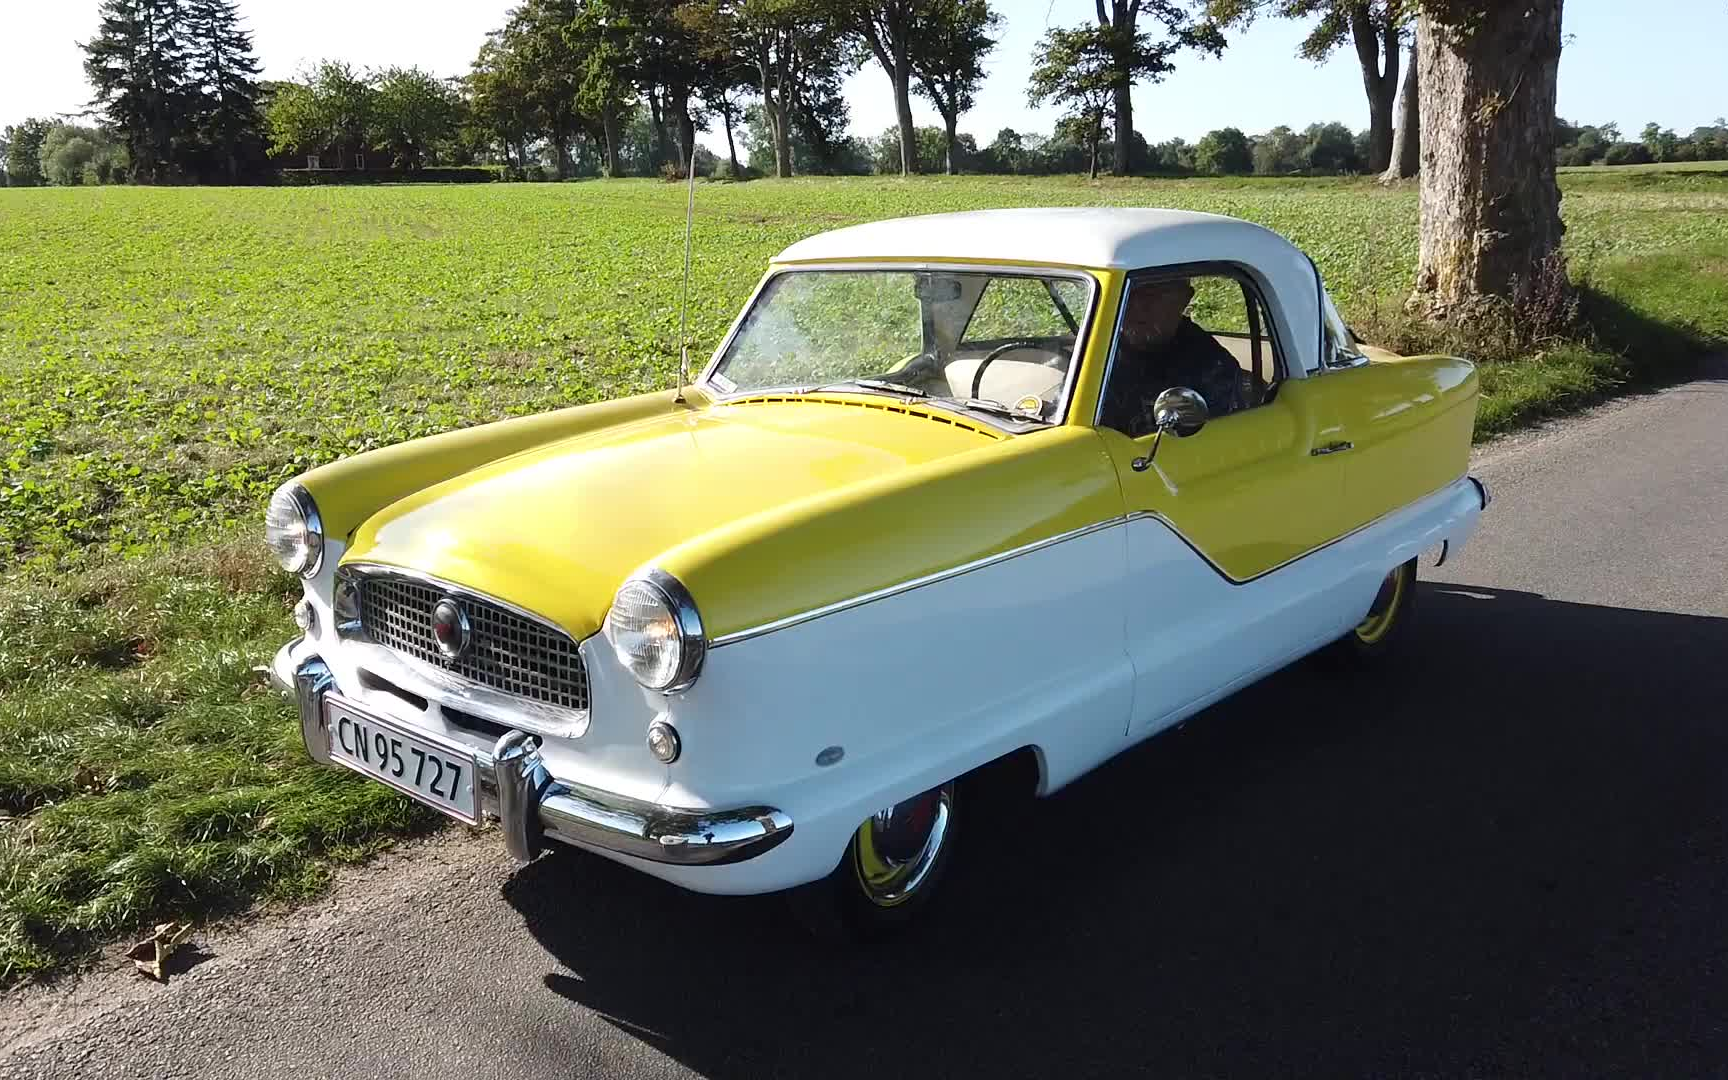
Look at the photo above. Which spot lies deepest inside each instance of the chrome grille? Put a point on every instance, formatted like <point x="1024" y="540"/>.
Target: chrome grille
<point x="507" y="651"/>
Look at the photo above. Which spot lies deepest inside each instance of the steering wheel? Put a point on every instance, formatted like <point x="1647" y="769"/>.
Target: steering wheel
<point x="1005" y="347"/>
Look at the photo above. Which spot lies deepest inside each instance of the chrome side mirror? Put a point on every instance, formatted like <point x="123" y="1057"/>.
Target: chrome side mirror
<point x="1181" y="412"/>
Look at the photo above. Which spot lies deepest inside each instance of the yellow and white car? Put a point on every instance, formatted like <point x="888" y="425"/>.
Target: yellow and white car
<point x="752" y="635"/>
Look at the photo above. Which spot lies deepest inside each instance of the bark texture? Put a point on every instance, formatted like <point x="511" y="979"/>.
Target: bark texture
<point x="1490" y="204"/>
<point x="1406" y="158"/>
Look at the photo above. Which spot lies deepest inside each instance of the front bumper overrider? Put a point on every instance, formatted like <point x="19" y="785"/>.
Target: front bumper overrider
<point x="531" y="806"/>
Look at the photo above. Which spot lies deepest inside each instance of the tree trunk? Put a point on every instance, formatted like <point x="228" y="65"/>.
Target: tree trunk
<point x="657" y="115"/>
<point x="609" y="130"/>
<point x="1407" y="143"/>
<point x="1490" y="204"/>
<point x="1372" y="44"/>
<point x="731" y="147"/>
<point x="902" y="78"/>
<point x="951" y="122"/>
<point x="561" y="152"/>
<point x="1124" y="107"/>
<point x="1097" y="137"/>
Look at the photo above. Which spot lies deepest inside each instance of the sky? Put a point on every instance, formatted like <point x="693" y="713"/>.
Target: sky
<point x="1626" y="61"/>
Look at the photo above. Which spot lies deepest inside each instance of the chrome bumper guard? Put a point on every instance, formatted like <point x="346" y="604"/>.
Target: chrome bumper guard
<point x="530" y="805"/>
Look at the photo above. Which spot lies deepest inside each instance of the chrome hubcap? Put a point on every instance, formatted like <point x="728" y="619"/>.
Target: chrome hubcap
<point x="897" y="847"/>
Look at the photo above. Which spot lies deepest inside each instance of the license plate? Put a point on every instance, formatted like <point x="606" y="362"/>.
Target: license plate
<point x="439" y="776"/>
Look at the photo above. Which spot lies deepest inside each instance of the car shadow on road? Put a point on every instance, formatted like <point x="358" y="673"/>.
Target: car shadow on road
<point x="1504" y="851"/>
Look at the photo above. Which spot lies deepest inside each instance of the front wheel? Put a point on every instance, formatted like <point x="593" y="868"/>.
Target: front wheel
<point x="890" y="873"/>
<point x="1387" y="618"/>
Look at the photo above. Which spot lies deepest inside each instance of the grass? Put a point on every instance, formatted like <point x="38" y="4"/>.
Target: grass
<point x="168" y="356"/>
<point x="1650" y="167"/>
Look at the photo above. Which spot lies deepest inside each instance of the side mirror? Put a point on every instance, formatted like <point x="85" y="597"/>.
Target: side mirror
<point x="1181" y="412"/>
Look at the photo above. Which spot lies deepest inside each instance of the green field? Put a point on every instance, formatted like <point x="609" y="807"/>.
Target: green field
<point x="168" y="356"/>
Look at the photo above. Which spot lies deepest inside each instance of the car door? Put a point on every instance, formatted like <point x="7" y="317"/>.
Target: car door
<point x="1218" y="521"/>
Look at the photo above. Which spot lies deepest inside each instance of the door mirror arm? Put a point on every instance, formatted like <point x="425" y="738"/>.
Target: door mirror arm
<point x="1181" y="412"/>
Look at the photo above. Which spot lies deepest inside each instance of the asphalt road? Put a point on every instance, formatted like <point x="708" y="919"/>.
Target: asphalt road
<point x="1506" y="853"/>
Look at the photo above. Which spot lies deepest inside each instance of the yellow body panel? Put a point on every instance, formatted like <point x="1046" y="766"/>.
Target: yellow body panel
<point x="1250" y="493"/>
<point x="557" y="528"/>
<point x="848" y="542"/>
<point x="351" y="489"/>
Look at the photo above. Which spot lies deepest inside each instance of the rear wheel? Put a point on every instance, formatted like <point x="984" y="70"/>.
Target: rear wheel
<point x="890" y="873"/>
<point x="1381" y="628"/>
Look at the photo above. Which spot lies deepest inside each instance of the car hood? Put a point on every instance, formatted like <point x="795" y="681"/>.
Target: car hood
<point x="557" y="528"/>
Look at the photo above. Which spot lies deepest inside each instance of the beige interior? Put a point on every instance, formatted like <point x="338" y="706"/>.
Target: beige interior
<point x="1006" y="379"/>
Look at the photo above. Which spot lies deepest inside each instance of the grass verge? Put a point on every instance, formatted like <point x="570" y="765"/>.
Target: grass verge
<point x="145" y="769"/>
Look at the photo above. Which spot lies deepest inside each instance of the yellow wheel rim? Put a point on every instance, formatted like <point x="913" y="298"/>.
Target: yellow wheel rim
<point x="1387" y="602"/>
<point x="897" y="847"/>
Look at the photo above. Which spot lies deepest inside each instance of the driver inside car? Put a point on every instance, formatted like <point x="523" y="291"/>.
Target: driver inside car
<point x="1161" y="348"/>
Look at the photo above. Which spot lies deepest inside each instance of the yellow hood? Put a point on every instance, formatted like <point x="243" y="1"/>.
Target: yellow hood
<point x="557" y="528"/>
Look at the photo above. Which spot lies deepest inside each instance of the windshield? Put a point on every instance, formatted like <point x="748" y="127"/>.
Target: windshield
<point x="996" y="342"/>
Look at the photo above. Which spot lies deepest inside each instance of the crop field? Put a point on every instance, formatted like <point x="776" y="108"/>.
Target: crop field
<point x="167" y="357"/>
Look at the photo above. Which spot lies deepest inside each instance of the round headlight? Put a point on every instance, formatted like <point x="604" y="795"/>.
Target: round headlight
<point x="656" y="633"/>
<point x="292" y="530"/>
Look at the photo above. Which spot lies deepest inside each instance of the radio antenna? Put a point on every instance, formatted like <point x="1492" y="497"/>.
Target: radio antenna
<point x="684" y="301"/>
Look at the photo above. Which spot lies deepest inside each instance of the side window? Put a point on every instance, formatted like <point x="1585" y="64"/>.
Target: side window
<point x="1207" y="331"/>
<point x="1021" y="307"/>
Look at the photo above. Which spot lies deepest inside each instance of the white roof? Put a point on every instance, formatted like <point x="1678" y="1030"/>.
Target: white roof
<point x="1116" y="237"/>
<point x="1119" y="238"/>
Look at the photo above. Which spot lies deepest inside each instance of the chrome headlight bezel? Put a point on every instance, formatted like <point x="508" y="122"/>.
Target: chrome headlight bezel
<point x="291" y="520"/>
<point x="677" y="611"/>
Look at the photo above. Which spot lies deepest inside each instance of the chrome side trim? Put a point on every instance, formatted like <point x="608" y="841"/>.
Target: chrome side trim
<point x="908" y="586"/>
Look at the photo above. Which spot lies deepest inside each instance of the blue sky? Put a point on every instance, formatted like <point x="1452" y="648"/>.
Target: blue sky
<point x="1629" y="61"/>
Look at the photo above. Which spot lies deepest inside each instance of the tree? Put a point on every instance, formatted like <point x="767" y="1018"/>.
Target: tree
<point x="1077" y="70"/>
<point x="1224" y="152"/>
<point x="1330" y="148"/>
<point x="1134" y="57"/>
<point x="331" y="110"/>
<point x="1405" y="159"/>
<point x="1374" y="27"/>
<point x="769" y="37"/>
<point x="72" y="154"/>
<point x="137" y="63"/>
<point x="948" y="62"/>
<point x="411" y="111"/>
<point x="24" y="152"/>
<point x="223" y="79"/>
<point x="888" y="28"/>
<point x="500" y="104"/>
<point x="1278" y="151"/>
<point x="1491" y="224"/>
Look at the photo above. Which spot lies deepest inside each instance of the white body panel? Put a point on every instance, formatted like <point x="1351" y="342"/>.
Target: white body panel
<point x="925" y="685"/>
<point x="921" y="686"/>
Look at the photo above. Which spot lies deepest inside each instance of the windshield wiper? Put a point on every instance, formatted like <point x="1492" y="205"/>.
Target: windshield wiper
<point x="877" y="384"/>
<point x="994" y="408"/>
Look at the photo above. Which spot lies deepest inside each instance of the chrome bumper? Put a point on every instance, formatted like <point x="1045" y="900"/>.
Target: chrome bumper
<point x="532" y="806"/>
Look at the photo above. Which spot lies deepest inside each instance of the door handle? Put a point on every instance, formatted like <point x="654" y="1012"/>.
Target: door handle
<point x="1332" y="448"/>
